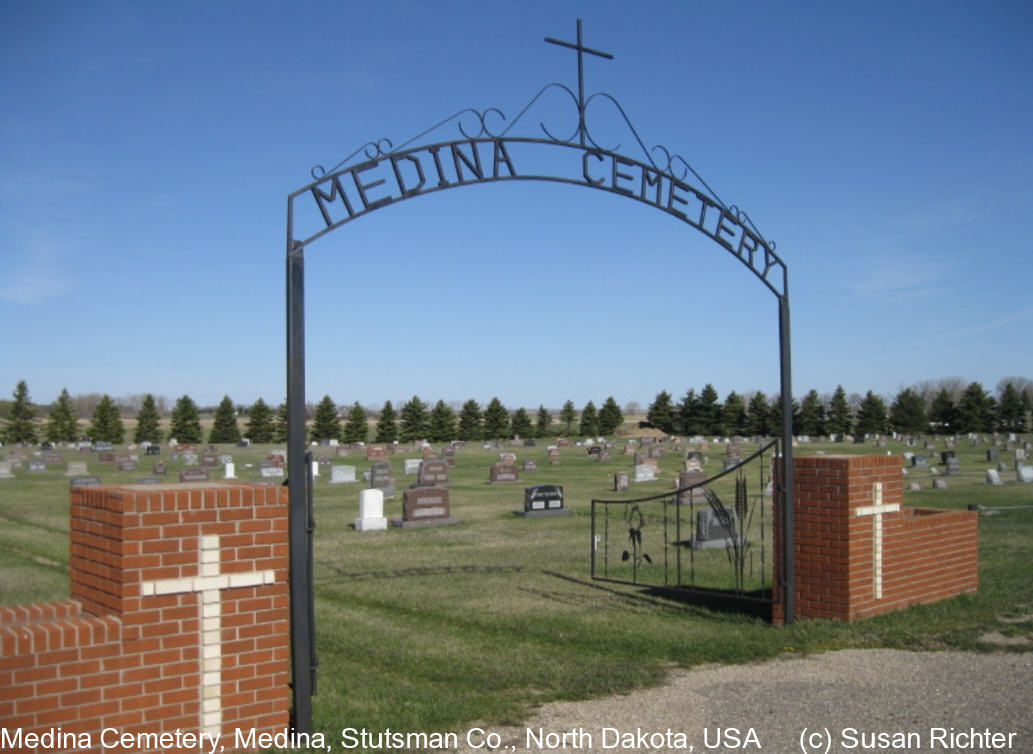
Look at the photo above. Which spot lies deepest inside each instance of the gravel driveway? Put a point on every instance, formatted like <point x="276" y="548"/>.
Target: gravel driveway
<point x="871" y="701"/>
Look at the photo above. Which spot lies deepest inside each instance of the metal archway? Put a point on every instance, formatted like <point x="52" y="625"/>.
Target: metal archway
<point x="378" y="175"/>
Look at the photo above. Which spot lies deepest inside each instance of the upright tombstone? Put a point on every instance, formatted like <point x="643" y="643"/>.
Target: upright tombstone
<point x="688" y="479"/>
<point x="425" y="506"/>
<point x="733" y="456"/>
<point x="712" y="533"/>
<point x="620" y="481"/>
<point x="412" y="466"/>
<point x="194" y="474"/>
<point x="993" y="476"/>
<point x="645" y="473"/>
<point x="342" y="474"/>
<point x="432" y="473"/>
<point x="1024" y="473"/>
<point x="529" y="464"/>
<point x="544" y="500"/>
<point x="376" y="452"/>
<point x="5" y="470"/>
<point x="503" y="472"/>
<point x="380" y="478"/>
<point x="371" y="511"/>
<point x="76" y="468"/>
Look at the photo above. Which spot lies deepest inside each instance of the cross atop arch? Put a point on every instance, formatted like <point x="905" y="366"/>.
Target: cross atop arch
<point x="581" y="50"/>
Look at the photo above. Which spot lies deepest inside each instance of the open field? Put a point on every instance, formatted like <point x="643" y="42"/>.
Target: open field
<point x="441" y="627"/>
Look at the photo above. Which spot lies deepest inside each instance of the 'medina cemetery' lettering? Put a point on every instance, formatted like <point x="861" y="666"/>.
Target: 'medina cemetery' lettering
<point x="391" y="177"/>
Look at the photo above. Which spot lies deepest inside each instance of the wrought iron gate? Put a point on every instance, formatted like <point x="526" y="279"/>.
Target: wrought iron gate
<point x="709" y="541"/>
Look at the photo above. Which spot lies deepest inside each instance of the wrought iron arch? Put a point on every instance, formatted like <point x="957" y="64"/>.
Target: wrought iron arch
<point x="489" y="149"/>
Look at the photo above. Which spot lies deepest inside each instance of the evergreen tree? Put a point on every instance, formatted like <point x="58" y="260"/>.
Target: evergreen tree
<point x="107" y="423"/>
<point x="20" y="427"/>
<point x="688" y="419"/>
<point x="1011" y="412"/>
<point x="710" y="410"/>
<point x="280" y="428"/>
<point x="443" y="427"/>
<point x="470" y="424"/>
<point x="185" y="421"/>
<point x="224" y="427"/>
<point x="148" y="422"/>
<point x="543" y="423"/>
<point x="839" y="421"/>
<point x="521" y="425"/>
<point x="589" y="426"/>
<point x="975" y="413"/>
<point x="260" y="423"/>
<point x="943" y="414"/>
<point x="758" y="416"/>
<point x="568" y="415"/>
<point x="355" y="427"/>
<point x="413" y="421"/>
<point x="327" y="424"/>
<point x="776" y="414"/>
<point x="62" y="424"/>
<point x="907" y="413"/>
<point x="812" y="416"/>
<point x="661" y="413"/>
<point x="387" y="424"/>
<point x="496" y="421"/>
<point x="610" y="417"/>
<point x="734" y="413"/>
<point x="871" y="415"/>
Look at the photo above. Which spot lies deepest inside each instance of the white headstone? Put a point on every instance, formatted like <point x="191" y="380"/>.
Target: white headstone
<point x="76" y="468"/>
<point x="342" y="474"/>
<point x="371" y="511"/>
<point x="5" y="470"/>
<point x="272" y="471"/>
<point x="412" y="466"/>
<point x="993" y="476"/>
<point x="231" y="470"/>
<point x="645" y="473"/>
<point x="1024" y="473"/>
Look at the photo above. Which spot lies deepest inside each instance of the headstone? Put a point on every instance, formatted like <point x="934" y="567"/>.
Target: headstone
<point x="230" y="470"/>
<point x="544" y="500"/>
<point x="194" y="474"/>
<point x="993" y="455"/>
<point x="267" y="472"/>
<point x="5" y="470"/>
<point x="711" y="533"/>
<point x="342" y="474"/>
<point x="37" y="464"/>
<point x="381" y="479"/>
<point x="503" y="472"/>
<point x="371" y="509"/>
<point x="152" y="450"/>
<point x="412" y="466"/>
<point x="1024" y="473"/>
<point x="159" y="468"/>
<point x="106" y="457"/>
<point x="914" y="486"/>
<point x="433" y="473"/>
<point x="127" y="465"/>
<point x="529" y="465"/>
<point x="209" y="461"/>
<point x="687" y="479"/>
<point x="993" y="476"/>
<point x="939" y="483"/>
<point x="945" y="454"/>
<point x="645" y="473"/>
<point x="76" y="468"/>
<point x="84" y="481"/>
<point x="953" y="466"/>
<point x="620" y="481"/>
<point x="376" y="452"/>
<point x="190" y="458"/>
<point x="425" y="506"/>
<point x="51" y="457"/>
<point x="919" y="461"/>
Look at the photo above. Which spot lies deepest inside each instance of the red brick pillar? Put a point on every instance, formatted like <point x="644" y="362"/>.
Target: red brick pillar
<point x="859" y="551"/>
<point x="197" y="575"/>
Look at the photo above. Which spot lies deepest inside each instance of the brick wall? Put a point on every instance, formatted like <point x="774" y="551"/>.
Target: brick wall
<point x="845" y="567"/>
<point x="178" y="619"/>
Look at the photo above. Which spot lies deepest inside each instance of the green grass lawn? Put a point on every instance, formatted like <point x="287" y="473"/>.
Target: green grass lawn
<point x="441" y="627"/>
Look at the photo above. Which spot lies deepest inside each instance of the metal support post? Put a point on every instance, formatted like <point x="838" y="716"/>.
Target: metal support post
<point x="788" y="549"/>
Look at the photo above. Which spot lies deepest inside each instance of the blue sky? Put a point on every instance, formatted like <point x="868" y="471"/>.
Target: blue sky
<point x="147" y="150"/>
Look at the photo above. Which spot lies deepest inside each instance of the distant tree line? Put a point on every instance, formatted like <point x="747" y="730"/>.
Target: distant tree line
<point x="914" y="410"/>
<point x="948" y="406"/>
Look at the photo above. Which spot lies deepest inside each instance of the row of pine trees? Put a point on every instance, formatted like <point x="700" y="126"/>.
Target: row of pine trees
<point x="696" y="414"/>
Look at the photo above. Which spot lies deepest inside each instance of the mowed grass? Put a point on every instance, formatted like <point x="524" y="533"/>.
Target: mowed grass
<point x="441" y="627"/>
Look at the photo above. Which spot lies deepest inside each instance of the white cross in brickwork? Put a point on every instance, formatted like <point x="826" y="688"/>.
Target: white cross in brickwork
<point x="209" y="582"/>
<point x="875" y="511"/>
